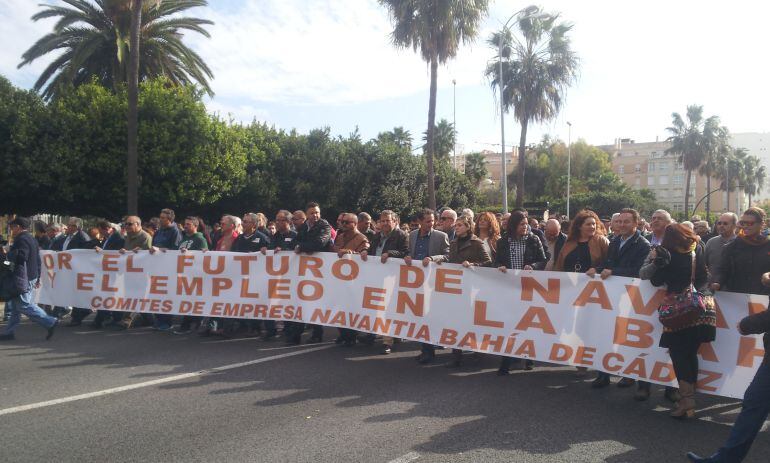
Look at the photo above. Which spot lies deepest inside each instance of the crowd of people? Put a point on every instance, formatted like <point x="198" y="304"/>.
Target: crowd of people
<point x="734" y="256"/>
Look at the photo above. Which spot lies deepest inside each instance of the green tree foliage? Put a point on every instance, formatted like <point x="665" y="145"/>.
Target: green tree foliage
<point x="435" y="28"/>
<point x="476" y="168"/>
<point x="93" y="37"/>
<point x="444" y="136"/>
<point x="538" y="65"/>
<point x="593" y="183"/>
<point x="67" y="157"/>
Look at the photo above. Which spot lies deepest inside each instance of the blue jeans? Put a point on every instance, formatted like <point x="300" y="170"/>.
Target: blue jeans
<point x="23" y="305"/>
<point x="756" y="407"/>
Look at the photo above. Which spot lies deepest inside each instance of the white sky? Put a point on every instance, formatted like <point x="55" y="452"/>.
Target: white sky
<point x="311" y="63"/>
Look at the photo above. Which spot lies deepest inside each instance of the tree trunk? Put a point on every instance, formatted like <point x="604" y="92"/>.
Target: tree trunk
<point x="687" y="194"/>
<point x="727" y="206"/>
<point x="429" y="148"/>
<point x="521" y="166"/>
<point x="132" y="178"/>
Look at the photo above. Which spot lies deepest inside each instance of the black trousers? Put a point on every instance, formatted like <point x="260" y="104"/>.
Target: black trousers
<point x="685" y="360"/>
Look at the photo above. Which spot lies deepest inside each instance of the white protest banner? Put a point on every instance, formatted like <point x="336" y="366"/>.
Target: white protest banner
<point x="565" y="318"/>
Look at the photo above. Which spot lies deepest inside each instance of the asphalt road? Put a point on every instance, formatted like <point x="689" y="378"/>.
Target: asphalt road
<point x="142" y="395"/>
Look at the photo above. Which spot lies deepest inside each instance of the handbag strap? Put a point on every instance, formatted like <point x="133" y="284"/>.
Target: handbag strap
<point x="692" y="271"/>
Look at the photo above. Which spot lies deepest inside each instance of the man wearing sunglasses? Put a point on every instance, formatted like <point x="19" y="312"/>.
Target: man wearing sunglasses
<point x="746" y="258"/>
<point x="726" y="234"/>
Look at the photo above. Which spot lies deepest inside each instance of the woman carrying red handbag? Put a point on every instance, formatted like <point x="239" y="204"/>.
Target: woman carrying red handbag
<point x="678" y="264"/>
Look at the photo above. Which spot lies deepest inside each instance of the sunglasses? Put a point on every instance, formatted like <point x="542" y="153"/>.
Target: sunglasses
<point x="744" y="223"/>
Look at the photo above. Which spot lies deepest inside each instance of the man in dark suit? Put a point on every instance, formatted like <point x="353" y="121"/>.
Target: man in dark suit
<point x="625" y="257"/>
<point x="427" y="245"/>
<point x="315" y="235"/>
<point x="391" y="241"/>
<point x="76" y="238"/>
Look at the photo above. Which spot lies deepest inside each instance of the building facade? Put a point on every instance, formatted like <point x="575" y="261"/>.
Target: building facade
<point x="494" y="163"/>
<point x="646" y="165"/>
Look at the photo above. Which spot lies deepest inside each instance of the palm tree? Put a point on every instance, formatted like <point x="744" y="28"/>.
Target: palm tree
<point x="95" y="40"/>
<point x="755" y="175"/>
<point x="435" y="28"/>
<point x="715" y="144"/>
<point x="687" y="141"/>
<point x="476" y="168"/>
<point x="731" y="171"/>
<point x="398" y="136"/>
<point x="538" y="66"/>
<point x="443" y="140"/>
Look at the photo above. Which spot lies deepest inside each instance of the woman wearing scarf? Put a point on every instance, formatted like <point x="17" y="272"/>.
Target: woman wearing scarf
<point x="520" y="249"/>
<point x="466" y="249"/>
<point x="746" y="258"/>
<point x="671" y="264"/>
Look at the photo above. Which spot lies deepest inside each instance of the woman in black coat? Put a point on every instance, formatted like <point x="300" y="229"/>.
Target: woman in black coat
<point x="519" y="249"/>
<point x="671" y="264"/>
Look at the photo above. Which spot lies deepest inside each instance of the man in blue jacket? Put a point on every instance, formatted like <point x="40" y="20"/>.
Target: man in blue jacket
<point x="625" y="257"/>
<point x="24" y="255"/>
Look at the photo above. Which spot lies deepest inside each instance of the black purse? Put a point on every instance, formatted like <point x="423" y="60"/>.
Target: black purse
<point x="8" y="288"/>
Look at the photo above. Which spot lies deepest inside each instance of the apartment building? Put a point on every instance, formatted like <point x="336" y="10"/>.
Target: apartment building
<point x="646" y="165"/>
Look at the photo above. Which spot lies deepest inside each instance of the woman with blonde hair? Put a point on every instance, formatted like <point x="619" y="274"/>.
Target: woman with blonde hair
<point x="488" y="231"/>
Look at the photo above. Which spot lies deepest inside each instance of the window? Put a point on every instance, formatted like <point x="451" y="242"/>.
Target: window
<point x="663" y="180"/>
<point x="678" y="165"/>
<point x="651" y="167"/>
<point x="663" y="166"/>
<point x="678" y="179"/>
<point x="637" y="168"/>
<point x="650" y="181"/>
<point x="621" y="170"/>
<point x="678" y="207"/>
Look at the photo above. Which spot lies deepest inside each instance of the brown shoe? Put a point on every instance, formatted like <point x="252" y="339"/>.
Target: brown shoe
<point x="625" y="382"/>
<point x="685" y="408"/>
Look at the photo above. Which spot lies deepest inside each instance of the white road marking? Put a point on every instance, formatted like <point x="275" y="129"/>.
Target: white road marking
<point x="411" y="456"/>
<point x="168" y="379"/>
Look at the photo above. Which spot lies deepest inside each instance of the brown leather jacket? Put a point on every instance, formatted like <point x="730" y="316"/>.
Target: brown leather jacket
<point x="597" y="246"/>
<point x="353" y="240"/>
<point x="471" y="249"/>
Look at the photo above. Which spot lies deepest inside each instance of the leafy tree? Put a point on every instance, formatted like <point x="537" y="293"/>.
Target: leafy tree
<point x="538" y="66"/>
<point x="476" y="168"/>
<point x="688" y="142"/>
<point x="715" y="145"/>
<point x="435" y="28"/>
<point x="95" y="39"/>
<point x="755" y="175"/>
<point x="398" y="136"/>
<point x="443" y="140"/>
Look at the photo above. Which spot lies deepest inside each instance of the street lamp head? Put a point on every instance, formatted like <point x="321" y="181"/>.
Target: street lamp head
<point x="454" y="82"/>
<point x="569" y="123"/>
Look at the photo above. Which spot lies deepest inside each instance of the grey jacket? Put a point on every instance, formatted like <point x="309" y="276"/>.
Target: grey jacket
<point x="438" y="246"/>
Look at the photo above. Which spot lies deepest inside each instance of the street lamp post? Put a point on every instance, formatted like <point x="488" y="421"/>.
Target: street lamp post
<point x="569" y="162"/>
<point x="503" y="172"/>
<point x="454" y="121"/>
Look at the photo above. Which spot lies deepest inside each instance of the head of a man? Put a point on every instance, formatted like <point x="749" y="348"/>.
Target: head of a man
<point x="132" y="224"/>
<point x="659" y="221"/>
<point x="166" y="218"/>
<point x="53" y="230"/>
<point x="74" y="225"/>
<point x="249" y="223"/>
<point x="552" y="229"/>
<point x="364" y="222"/>
<point x="626" y="222"/>
<point x="105" y="228"/>
<point x="426" y="219"/>
<point x="298" y="219"/>
<point x="283" y="221"/>
<point x="752" y="221"/>
<point x="313" y="213"/>
<point x="190" y="225"/>
<point x="229" y="223"/>
<point x="349" y="222"/>
<point x="701" y="228"/>
<point x="447" y="220"/>
<point x="387" y="221"/>
<point x="726" y="224"/>
<point x="19" y="225"/>
<point x="504" y="221"/>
